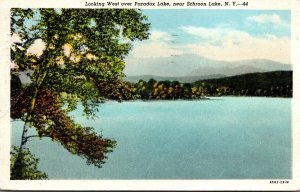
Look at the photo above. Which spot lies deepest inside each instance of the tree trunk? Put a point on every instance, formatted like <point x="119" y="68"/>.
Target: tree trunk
<point x="18" y="166"/>
<point x="27" y="121"/>
<point x="24" y="135"/>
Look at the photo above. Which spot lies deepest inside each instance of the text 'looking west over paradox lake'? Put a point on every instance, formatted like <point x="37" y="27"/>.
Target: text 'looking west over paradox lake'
<point x="220" y="138"/>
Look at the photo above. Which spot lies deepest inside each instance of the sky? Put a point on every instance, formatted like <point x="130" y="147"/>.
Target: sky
<point x="228" y="35"/>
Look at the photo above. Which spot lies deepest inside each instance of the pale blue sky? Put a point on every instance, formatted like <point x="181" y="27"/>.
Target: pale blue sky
<point x="171" y="19"/>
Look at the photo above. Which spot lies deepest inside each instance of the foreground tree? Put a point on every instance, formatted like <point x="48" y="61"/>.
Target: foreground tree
<point x="79" y="48"/>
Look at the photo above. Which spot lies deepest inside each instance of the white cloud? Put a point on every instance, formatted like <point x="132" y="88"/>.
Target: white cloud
<point x="230" y="45"/>
<point x="153" y="49"/>
<point x="277" y="50"/>
<point x="268" y="19"/>
<point x="158" y="45"/>
<point x="15" y="38"/>
<point x="220" y="44"/>
<point x="208" y="34"/>
<point x="215" y="35"/>
<point x="36" y="48"/>
<point x="160" y="36"/>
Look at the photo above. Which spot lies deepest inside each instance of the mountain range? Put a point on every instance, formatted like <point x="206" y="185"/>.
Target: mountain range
<point x="191" y="67"/>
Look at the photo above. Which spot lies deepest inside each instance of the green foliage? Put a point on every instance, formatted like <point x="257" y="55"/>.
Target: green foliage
<point x="27" y="162"/>
<point x="16" y="85"/>
<point x="117" y="90"/>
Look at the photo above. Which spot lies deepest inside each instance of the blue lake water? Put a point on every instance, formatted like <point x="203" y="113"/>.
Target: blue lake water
<point x="220" y="138"/>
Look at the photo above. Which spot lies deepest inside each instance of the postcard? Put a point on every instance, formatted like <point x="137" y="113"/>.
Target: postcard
<point x="150" y="95"/>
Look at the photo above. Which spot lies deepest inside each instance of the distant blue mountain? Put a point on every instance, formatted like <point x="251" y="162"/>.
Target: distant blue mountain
<point x="188" y="67"/>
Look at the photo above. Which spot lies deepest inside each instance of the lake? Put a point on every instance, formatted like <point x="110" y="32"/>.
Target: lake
<point x="220" y="138"/>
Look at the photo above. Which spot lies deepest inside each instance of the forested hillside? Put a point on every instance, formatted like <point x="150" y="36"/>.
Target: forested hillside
<point x="277" y="83"/>
<point x="268" y="84"/>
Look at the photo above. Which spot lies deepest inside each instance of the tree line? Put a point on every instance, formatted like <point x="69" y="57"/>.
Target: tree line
<point x="269" y="84"/>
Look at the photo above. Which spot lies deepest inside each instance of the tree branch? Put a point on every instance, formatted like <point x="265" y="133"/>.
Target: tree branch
<point x="30" y="136"/>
